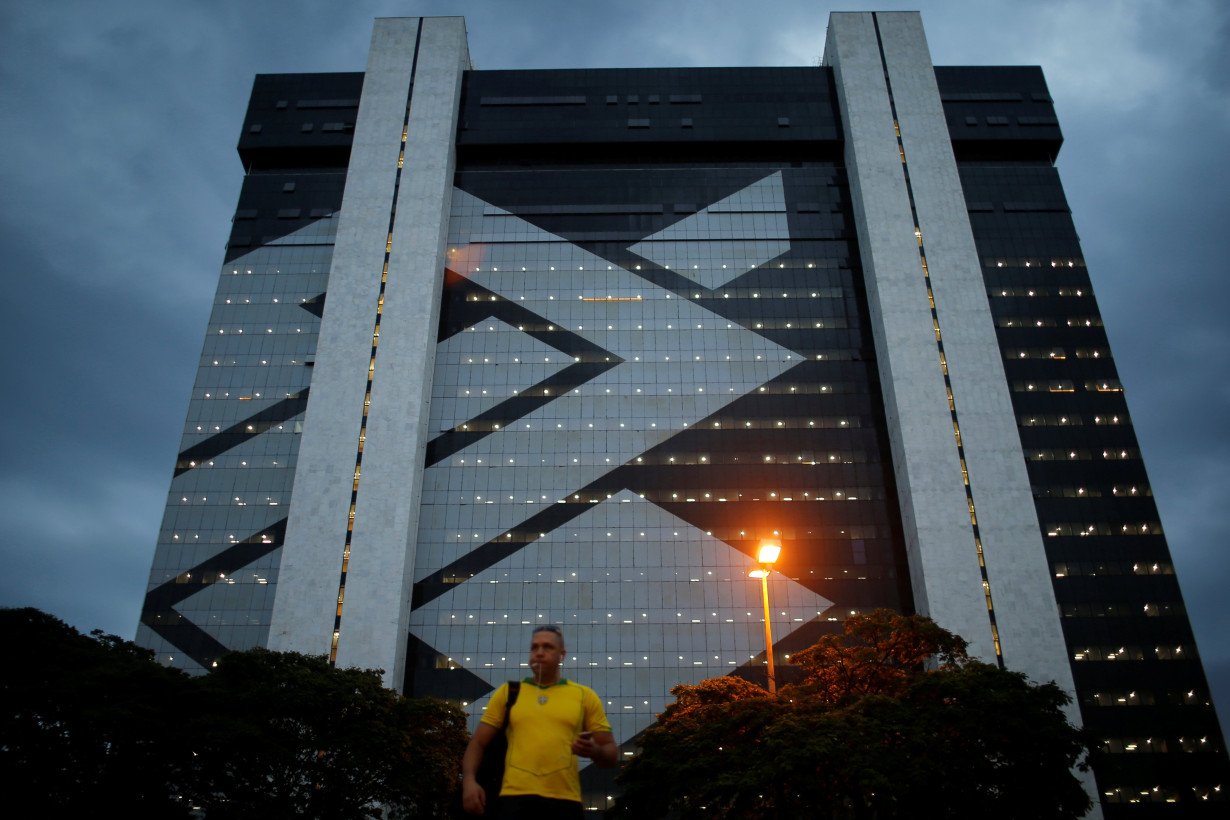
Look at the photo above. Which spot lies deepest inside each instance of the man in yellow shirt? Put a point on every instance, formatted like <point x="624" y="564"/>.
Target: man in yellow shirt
<point x="551" y="723"/>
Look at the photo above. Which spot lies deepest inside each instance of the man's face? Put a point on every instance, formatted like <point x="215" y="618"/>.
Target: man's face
<point x="546" y="651"/>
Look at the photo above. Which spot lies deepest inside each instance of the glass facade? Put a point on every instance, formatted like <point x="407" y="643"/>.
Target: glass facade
<point x="1140" y="686"/>
<point x="645" y="368"/>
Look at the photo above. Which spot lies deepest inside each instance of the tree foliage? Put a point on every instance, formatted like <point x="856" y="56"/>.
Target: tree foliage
<point x="877" y="654"/>
<point x="892" y="717"/>
<point x="286" y="729"/>
<point x="87" y="722"/>
<point x="92" y="724"/>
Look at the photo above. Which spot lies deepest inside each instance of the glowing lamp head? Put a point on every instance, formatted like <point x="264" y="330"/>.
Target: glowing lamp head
<point x="758" y="573"/>
<point x="768" y="553"/>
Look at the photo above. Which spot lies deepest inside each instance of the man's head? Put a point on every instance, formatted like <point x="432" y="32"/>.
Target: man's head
<point x="552" y="629"/>
<point x="547" y="650"/>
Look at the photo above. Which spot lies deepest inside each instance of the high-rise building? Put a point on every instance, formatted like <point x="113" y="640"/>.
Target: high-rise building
<point x="500" y="348"/>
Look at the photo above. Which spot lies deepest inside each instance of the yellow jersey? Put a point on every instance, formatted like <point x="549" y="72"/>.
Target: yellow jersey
<point x="542" y="725"/>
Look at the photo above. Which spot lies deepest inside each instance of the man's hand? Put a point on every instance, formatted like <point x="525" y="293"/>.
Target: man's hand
<point x="473" y="797"/>
<point x="597" y="746"/>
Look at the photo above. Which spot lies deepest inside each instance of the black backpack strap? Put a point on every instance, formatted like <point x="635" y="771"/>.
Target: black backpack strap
<point x="490" y="772"/>
<point x="514" y="689"/>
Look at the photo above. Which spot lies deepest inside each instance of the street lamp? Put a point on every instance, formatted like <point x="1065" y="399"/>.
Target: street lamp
<point x="767" y="556"/>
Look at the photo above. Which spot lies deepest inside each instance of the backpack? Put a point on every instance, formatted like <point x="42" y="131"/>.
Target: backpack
<point x="490" y="774"/>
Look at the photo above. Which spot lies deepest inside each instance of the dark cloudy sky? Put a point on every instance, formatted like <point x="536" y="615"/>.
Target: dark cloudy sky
<point x="118" y="177"/>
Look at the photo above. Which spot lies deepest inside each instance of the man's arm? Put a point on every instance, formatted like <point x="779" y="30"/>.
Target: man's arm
<point x="473" y="796"/>
<point x="597" y="746"/>
<point x="597" y="743"/>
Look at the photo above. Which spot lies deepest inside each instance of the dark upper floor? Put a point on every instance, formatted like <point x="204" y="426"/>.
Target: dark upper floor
<point x="694" y="115"/>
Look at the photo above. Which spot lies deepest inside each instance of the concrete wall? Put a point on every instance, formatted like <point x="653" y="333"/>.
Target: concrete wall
<point x="944" y="571"/>
<point x="948" y="583"/>
<point x="373" y="624"/>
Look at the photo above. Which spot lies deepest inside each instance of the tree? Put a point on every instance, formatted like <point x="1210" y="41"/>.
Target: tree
<point x="93" y="726"/>
<point x="892" y="720"/>
<point x="968" y="741"/>
<point x="89" y="724"/>
<point x="285" y="734"/>
<point x="879" y="653"/>
<point x="698" y="758"/>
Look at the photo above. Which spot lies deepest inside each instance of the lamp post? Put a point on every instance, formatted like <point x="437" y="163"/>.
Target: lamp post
<point x="767" y="556"/>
